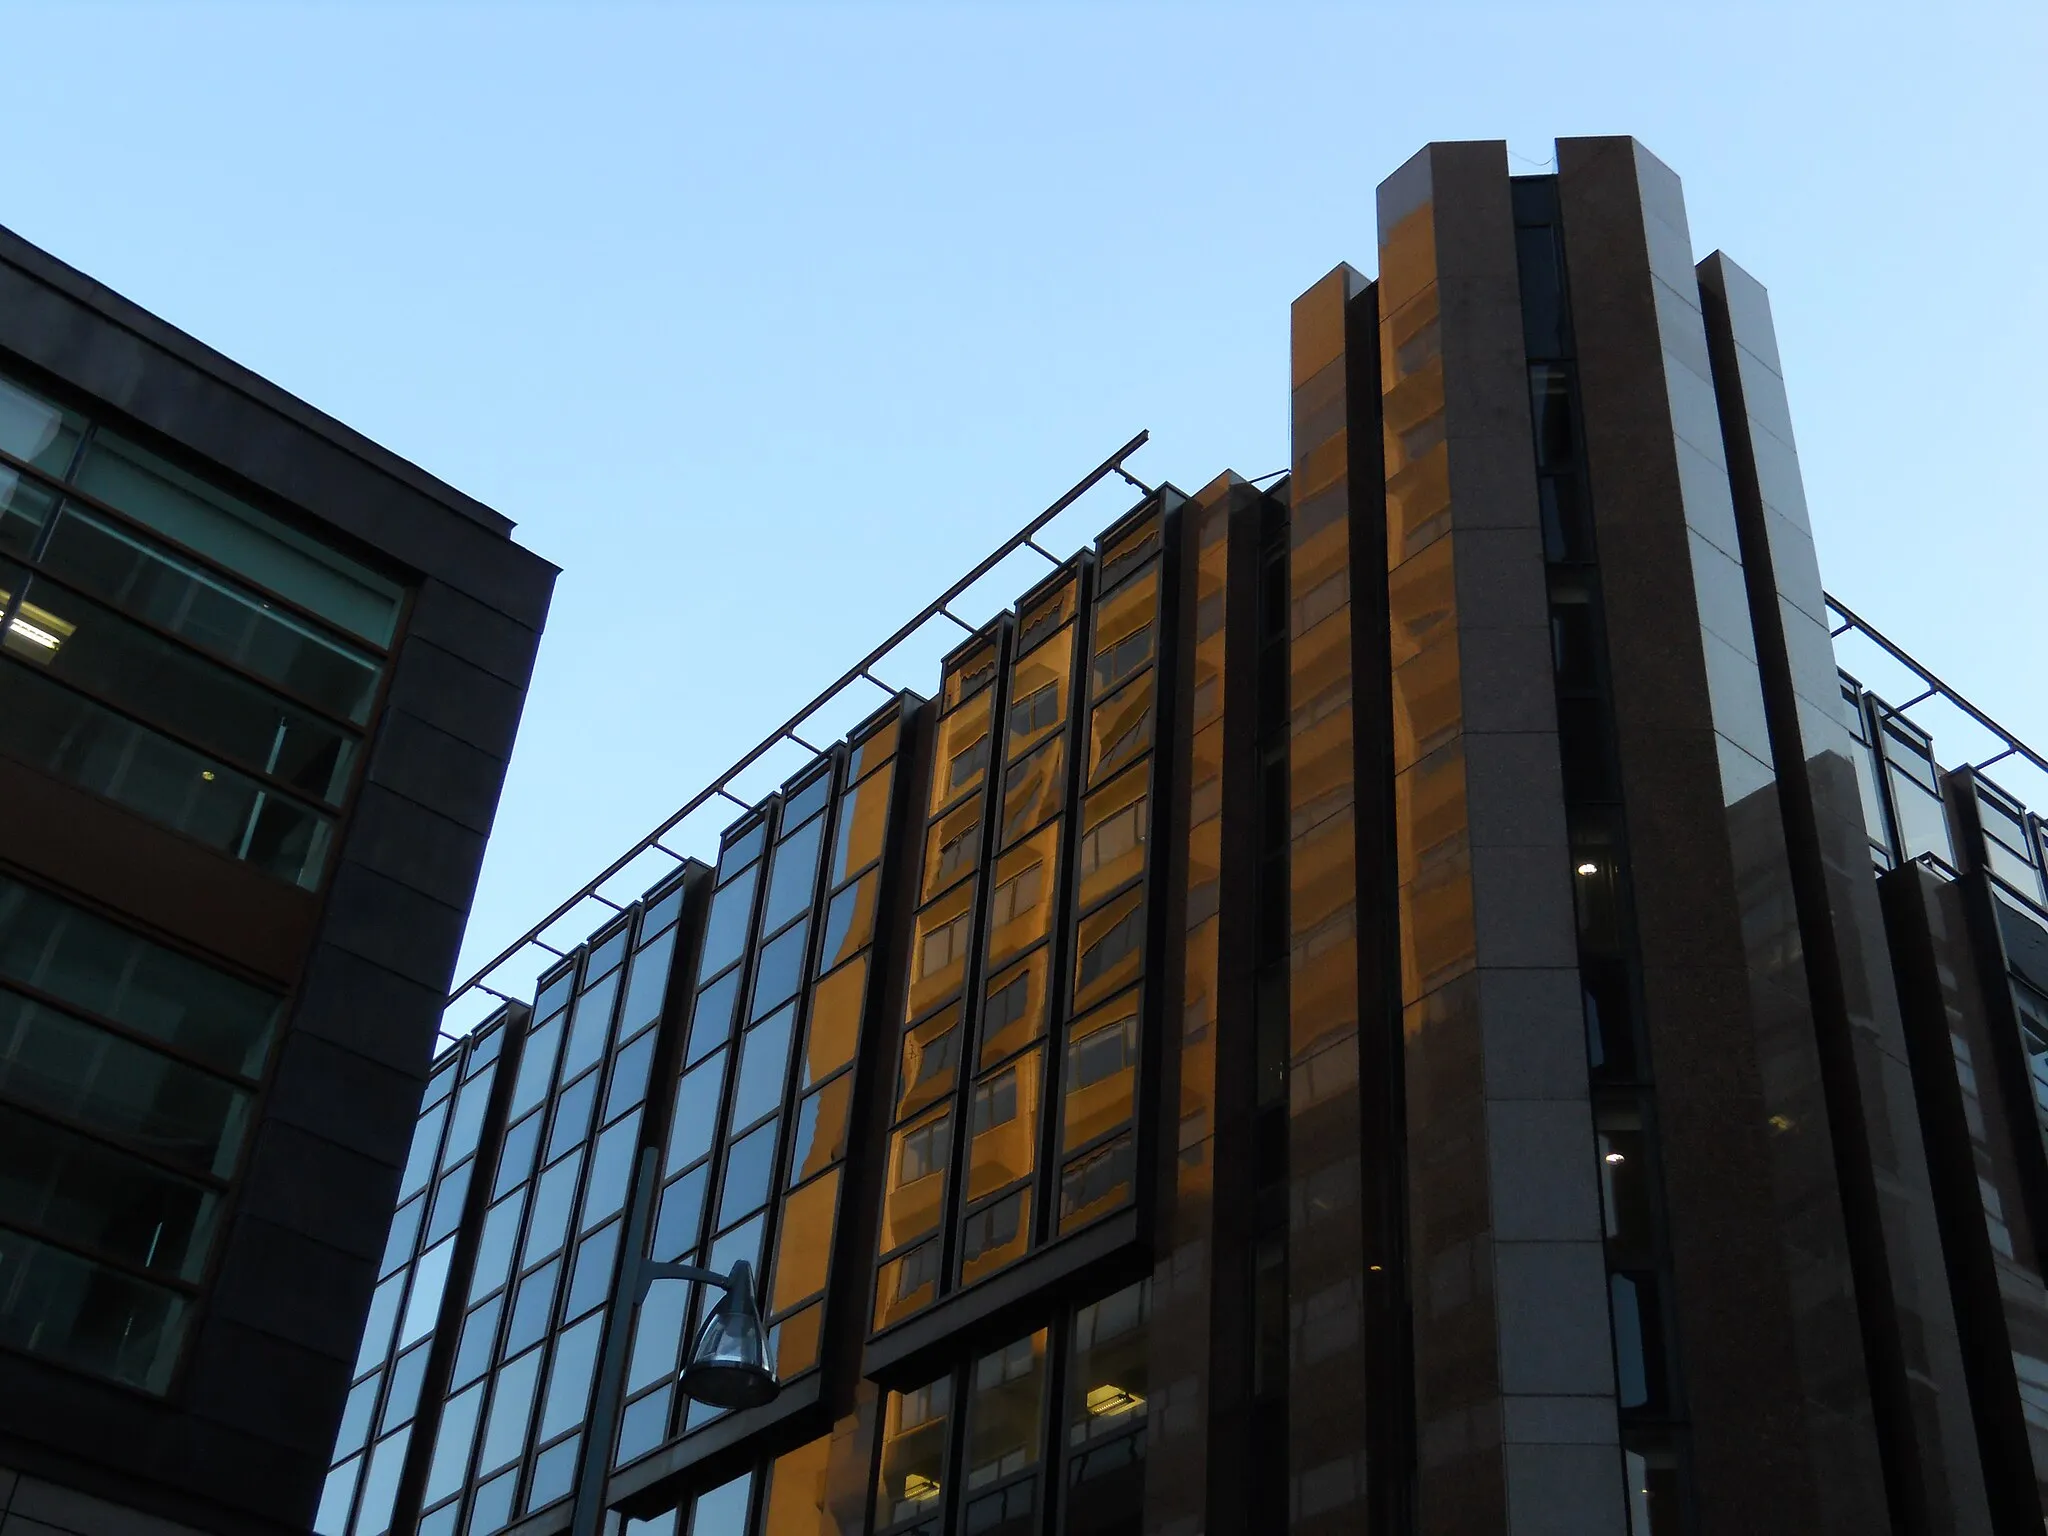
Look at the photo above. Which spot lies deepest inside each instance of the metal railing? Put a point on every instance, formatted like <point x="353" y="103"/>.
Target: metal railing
<point x="862" y="671"/>
<point x="1933" y="688"/>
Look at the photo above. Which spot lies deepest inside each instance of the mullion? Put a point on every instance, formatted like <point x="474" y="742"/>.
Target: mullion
<point x="572" y="1238"/>
<point x="1066" y="927"/>
<point x="951" y="1197"/>
<point x="793" y="1093"/>
<point x="67" y="490"/>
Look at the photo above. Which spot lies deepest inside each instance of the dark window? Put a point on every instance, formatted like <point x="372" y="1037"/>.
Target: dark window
<point x="1122" y="939"/>
<point x="1035" y="711"/>
<point x="1550" y="410"/>
<point x="1119" y="659"/>
<point x="967" y="763"/>
<point x="1006" y="1005"/>
<point x="924" y="1151"/>
<point x="992" y="1227"/>
<point x="995" y="1102"/>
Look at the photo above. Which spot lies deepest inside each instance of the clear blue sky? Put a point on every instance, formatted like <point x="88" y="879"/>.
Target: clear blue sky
<point x="765" y="321"/>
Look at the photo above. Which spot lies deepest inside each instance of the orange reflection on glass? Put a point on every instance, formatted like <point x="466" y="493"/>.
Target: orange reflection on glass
<point x="821" y="1129"/>
<point x="1100" y="1080"/>
<point x="850" y="921"/>
<point x="952" y="846"/>
<point x="1430" y="819"/>
<point x="834" y="1028"/>
<point x="974" y="668"/>
<point x="1114" y="827"/>
<point x="863" y="824"/>
<point x="906" y="1283"/>
<point x="803" y="1245"/>
<point x="1034" y="789"/>
<point x="963" y="748"/>
<point x="1124" y="633"/>
<point x="1111" y="947"/>
<point x="913" y="1452"/>
<point x="1037" y="620"/>
<point x="1122" y="554"/>
<point x="939" y="953"/>
<point x="1002" y="1126"/>
<point x="1039" y="684"/>
<point x="876" y="749"/>
<point x="931" y="1061"/>
<point x="798" y="1494"/>
<point x="1412" y="423"/>
<point x="1013" y="1008"/>
<point x="996" y="1235"/>
<point x="1120" y="729"/>
<point x="1020" y="899"/>
<point x="1096" y="1183"/>
<point x="917" y="1179"/>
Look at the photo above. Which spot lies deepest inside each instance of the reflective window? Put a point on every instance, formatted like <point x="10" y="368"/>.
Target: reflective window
<point x="913" y="1455"/>
<point x="1005" y="1409"/>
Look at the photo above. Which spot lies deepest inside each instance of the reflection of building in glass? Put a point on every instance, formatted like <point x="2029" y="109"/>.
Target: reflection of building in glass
<point x="1416" y="998"/>
<point x="258" y="682"/>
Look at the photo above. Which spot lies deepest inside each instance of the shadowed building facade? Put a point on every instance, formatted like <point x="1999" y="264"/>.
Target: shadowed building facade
<point x="1410" y="998"/>
<point x="259" y="679"/>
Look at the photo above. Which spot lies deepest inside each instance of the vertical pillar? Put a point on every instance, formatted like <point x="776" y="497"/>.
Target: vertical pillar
<point x="1917" y="1383"/>
<point x="1513" y="1368"/>
<point x="1326" y="1259"/>
<point x="1219" y="528"/>
<point x="1787" y="1326"/>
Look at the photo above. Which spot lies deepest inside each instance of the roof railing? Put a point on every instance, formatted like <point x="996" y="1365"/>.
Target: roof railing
<point x="862" y="671"/>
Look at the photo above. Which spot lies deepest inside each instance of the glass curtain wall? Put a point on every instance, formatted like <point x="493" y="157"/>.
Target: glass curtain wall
<point x="129" y="1075"/>
<point x="541" y="1287"/>
<point x="757" y="1139"/>
<point x="391" y="1364"/>
<point x="169" y="647"/>
<point x="1023" y="1015"/>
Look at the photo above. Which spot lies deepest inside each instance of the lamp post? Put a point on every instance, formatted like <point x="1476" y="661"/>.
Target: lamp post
<point x="728" y="1365"/>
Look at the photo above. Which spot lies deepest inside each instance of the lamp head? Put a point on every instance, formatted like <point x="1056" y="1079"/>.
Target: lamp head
<point x="729" y="1366"/>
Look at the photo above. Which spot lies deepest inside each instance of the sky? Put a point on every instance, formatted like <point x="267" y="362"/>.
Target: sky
<point x="764" y="322"/>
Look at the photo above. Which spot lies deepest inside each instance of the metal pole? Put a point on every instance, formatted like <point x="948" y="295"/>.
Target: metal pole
<point x="594" y="1466"/>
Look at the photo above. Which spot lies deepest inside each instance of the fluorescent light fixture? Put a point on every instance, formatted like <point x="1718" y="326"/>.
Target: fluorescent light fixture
<point x="1106" y="1402"/>
<point x="35" y="634"/>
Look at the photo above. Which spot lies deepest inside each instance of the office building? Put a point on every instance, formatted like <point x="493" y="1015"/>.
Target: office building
<point x="259" y="683"/>
<point x="1410" y="996"/>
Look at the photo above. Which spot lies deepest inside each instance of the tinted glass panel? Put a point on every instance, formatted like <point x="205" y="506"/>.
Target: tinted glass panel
<point x="77" y="1190"/>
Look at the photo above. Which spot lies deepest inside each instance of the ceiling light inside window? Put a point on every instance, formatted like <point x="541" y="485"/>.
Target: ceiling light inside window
<point x="1589" y="869"/>
<point x="1106" y="1402"/>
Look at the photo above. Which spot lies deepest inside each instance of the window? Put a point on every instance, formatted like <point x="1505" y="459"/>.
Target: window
<point x="1107" y="940"/>
<point x="995" y="1102"/>
<point x="945" y="944"/>
<point x="1120" y="658"/>
<point x="922" y="1152"/>
<point x="1035" y="712"/>
<point x="110" y="1148"/>
<point x="965" y="766"/>
<point x="1016" y="896"/>
<point x="178" y="651"/>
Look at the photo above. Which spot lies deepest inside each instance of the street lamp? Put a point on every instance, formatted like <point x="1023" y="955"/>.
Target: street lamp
<point x="728" y="1366"/>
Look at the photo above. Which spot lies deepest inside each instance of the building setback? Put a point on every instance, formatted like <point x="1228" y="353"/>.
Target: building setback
<point x="1416" y="998"/>
<point x="260" y="680"/>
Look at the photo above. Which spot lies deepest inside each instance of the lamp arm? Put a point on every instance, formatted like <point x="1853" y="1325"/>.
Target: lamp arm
<point x="651" y="1272"/>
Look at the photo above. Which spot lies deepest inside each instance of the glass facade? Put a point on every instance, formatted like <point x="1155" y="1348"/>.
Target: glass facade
<point x="1194" y="1071"/>
<point x="129" y="1073"/>
<point x="174" y="649"/>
